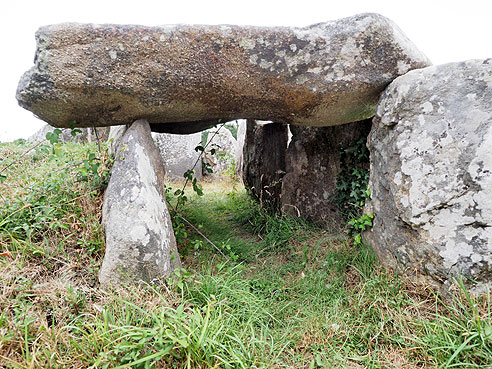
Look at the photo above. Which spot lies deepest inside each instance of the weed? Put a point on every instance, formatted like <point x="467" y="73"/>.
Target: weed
<point x="358" y="225"/>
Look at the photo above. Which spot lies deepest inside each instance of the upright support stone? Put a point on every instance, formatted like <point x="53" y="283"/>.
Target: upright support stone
<point x="140" y="243"/>
<point x="431" y="174"/>
<point x="264" y="160"/>
<point x="312" y="166"/>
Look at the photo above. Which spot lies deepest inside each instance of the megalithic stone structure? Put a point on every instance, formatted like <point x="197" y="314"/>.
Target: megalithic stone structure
<point x="182" y="79"/>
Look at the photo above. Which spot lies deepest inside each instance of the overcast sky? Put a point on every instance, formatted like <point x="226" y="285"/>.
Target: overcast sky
<point x="446" y="31"/>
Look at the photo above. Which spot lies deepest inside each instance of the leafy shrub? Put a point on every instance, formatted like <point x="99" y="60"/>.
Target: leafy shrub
<point x="353" y="178"/>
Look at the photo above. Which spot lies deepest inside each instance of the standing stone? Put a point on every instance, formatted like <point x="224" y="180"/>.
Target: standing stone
<point x="312" y="166"/>
<point x="183" y="78"/>
<point x="140" y="243"/>
<point x="264" y="161"/>
<point x="178" y="154"/>
<point x="431" y="174"/>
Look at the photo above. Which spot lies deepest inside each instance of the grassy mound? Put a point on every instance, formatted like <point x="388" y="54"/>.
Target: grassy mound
<point x="286" y="295"/>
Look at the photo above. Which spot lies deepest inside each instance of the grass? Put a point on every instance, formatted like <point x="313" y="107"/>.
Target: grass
<point x="292" y="295"/>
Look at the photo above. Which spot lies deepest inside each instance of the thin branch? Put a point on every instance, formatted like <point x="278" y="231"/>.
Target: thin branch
<point x="97" y="138"/>
<point x="196" y="162"/>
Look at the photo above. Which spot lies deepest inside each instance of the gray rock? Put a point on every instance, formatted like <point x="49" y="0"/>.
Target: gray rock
<point x="183" y="78"/>
<point x="312" y="166"/>
<point x="178" y="153"/>
<point x="264" y="161"/>
<point x="224" y="146"/>
<point x="65" y="136"/>
<point x="114" y="138"/>
<point x="431" y="173"/>
<point x="140" y="243"/>
<point x="86" y="134"/>
<point x="241" y="136"/>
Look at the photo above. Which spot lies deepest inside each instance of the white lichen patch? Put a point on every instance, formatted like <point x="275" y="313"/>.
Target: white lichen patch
<point x="427" y="107"/>
<point x="403" y="67"/>
<point x="113" y="54"/>
<point x="247" y="43"/>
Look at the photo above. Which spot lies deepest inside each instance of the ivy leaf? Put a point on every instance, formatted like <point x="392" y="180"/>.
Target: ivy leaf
<point x="75" y="131"/>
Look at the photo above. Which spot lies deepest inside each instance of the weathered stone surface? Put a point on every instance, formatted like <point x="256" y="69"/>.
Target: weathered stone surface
<point x="431" y="173"/>
<point x="114" y="138"/>
<point x="241" y="137"/>
<point x="264" y="160"/>
<point x="312" y="166"/>
<point x="183" y="78"/>
<point x="224" y="147"/>
<point x="140" y="243"/>
<point x="178" y="153"/>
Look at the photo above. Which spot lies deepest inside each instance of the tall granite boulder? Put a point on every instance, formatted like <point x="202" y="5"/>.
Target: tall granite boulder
<point x="313" y="162"/>
<point x="264" y="160"/>
<point x="181" y="79"/>
<point x="140" y="243"/>
<point x="431" y="173"/>
<point x="178" y="153"/>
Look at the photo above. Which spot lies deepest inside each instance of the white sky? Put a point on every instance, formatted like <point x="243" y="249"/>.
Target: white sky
<point x="446" y="31"/>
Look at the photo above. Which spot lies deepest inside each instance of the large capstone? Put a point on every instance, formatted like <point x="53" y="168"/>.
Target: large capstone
<point x="140" y="243"/>
<point x="314" y="164"/>
<point x="182" y="79"/>
<point x="431" y="173"/>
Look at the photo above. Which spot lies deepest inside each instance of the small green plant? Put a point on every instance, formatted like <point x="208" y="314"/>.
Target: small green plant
<point x="190" y="175"/>
<point x="358" y="225"/>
